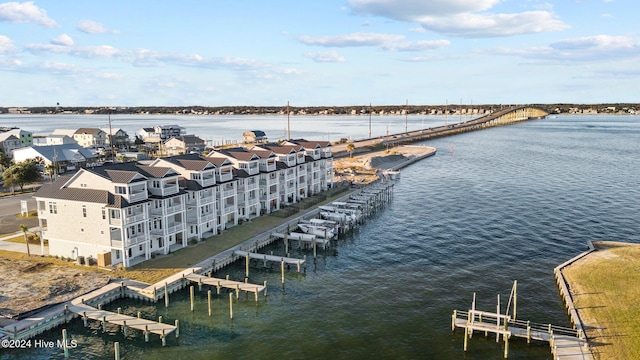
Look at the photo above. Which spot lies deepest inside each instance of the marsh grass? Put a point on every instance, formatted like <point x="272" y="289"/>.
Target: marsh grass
<point x="605" y="286"/>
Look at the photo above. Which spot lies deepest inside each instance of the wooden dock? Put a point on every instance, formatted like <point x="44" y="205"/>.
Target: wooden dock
<point x="304" y="238"/>
<point x="80" y="307"/>
<point x="225" y="283"/>
<point x="565" y="343"/>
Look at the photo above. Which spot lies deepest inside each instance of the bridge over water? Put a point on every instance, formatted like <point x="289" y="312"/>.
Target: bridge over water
<point x="501" y="117"/>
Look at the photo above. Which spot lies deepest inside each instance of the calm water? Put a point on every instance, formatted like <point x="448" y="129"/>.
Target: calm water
<point x="222" y="129"/>
<point x="507" y="203"/>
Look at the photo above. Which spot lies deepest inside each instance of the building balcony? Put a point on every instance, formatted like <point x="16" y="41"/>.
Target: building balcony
<point x="228" y="193"/>
<point x="134" y="218"/>
<point x="137" y="196"/>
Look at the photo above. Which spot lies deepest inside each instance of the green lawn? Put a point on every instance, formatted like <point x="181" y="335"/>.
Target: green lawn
<point x="604" y="286"/>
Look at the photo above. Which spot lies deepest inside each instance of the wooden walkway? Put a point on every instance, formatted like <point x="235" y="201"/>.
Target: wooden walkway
<point x="564" y="342"/>
<point x="225" y="283"/>
<point x="80" y="307"/>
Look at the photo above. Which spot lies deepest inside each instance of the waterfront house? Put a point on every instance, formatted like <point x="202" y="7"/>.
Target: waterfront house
<point x="254" y="136"/>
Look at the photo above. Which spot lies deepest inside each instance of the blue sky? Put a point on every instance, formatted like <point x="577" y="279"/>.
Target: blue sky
<point x="329" y="52"/>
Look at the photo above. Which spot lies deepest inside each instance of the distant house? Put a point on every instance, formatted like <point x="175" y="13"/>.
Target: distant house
<point x="9" y="143"/>
<point x="183" y="145"/>
<point x="58" y="140"/>
<point x="86" y="137"/>
<point x="69" y="157"/>
<point x="119" y="136"/>
<point x="26" y="137"/>
<point x="254" y="136"/>
<point x="160" y="133"/>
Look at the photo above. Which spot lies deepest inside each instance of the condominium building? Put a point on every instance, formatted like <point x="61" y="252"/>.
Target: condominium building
<point x="127" y="212"/>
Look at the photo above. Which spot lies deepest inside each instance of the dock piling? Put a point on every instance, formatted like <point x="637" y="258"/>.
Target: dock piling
<point x="166" y="296"/>
<point x="209" y="301"/>
<point x="231" y="306"/>
<point x="64" y="343"/>
<point x="191" y="296"/>
<point x="116" y="350"/>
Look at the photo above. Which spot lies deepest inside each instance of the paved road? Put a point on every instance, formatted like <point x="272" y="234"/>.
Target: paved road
<point x="9" y="211"/>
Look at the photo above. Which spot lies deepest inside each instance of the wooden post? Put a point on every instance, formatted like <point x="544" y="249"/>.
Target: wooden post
<point x="282" y="269"/>
<point x="66" y="311"/>
<point x="246" y="270"/>
<point x="506" y="346"/>
<point x="237" y="291"/>
<point x="498" y="319"/>
<point x="315" y="244"/>
<point x="119" y="311"/>
<point x="124" y="327"/>
<point x="160" y="319"/>
<point x="139" y="314"/>
<point x="64" y="343"/>
<point x="146" y="333"/>
<point x="231" y="306"/>
<point x="177" y="325"/>
<point x="209" y="301"/>
<point x="84" y="318"/>
<point x="453" y="320"/>
<point x="265" y="288"/>
<point x="191" y="295"/>
<point x="116" y="350"/>
<point x="104" y="324"/>
<point x="466" y="338"/>
<point x="218" y="288"/>
<point x="199" y="284"/>
<point x="163" y="338"/>
<point x="299" y="262"/>
<point x="286" y="242"/>
<point x="515" y="299"/>
<point x="528" y="332"/>
<point x="166" y="296"/>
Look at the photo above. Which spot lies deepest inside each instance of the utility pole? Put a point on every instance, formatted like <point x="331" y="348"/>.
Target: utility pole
<point x="369" y="120"/>
<point x="406" y="113"/>
<point x="288" y="123"/>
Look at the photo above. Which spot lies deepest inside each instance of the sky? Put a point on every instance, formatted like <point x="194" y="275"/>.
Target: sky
<point x="315" y="53"/>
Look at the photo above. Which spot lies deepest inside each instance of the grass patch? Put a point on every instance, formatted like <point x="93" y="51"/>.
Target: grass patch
<point x="154" y="270"/>
<point x="20" y="240"/>
<point x="33" y="214"/>
<point x="605" y="292"/>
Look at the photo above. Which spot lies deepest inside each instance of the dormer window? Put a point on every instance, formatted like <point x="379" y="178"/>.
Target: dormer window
<point x="121" y="189"/>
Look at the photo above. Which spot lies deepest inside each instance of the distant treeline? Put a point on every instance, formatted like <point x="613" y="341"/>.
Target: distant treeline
<point x="323" y="110"/>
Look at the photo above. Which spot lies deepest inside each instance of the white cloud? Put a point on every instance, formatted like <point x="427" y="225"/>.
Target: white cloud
<point x="325" y="57"/>
<point x="355" y="39"/>
<point x="420" y="45"/>
<point x="92" y="27"/>
<point x="6" y="45"/>
<point x="408" y="10"/>
<point x="26" y="12"/>
<point x="474" y="25"/>
<point x="64" y="40"/>
<point x="598" y="42"/>
<point x="463" y="18"/>
<point x="599" y="48"/>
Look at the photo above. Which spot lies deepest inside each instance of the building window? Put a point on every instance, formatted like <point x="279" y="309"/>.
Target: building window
<point x="84" y="211"/>
<point x="104" y="214"/>
<point x="121" y="189"/>
<point x="53" y="207"/>
<point x="117" y="254"/>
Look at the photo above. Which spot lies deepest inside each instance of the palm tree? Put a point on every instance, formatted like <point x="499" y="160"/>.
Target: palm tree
<point x="350" y="149"/>
<point x="24" y="229"/>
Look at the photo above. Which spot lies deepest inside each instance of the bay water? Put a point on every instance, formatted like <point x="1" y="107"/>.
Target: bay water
<point x="492" y="206"/>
